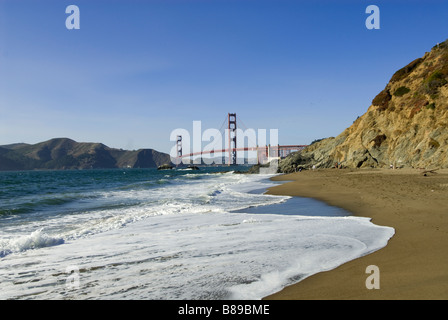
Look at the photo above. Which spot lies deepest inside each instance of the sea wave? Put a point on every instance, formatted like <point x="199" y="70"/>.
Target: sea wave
<point x="37" y="239"/>
<point x="180" y="240"/>
<point x="71" y="216"/>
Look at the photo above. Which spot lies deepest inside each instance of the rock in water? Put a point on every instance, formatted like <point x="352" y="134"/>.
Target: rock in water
<point x="165" y="167"/>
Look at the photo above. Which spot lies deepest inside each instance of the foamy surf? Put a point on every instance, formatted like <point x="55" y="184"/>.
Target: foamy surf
<point x="179" y="240"/>
<point x="35" y="240"/>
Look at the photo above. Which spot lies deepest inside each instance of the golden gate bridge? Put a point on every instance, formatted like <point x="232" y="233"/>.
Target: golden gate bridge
<point x="264" y="154"/>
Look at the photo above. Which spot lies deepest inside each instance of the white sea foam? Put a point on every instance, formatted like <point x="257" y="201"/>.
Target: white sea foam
<point x="35" y="240"/>
<point x="182" y="241"/>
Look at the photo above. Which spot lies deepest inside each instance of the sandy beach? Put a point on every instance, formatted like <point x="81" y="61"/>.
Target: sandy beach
<point x="414" y="264"/>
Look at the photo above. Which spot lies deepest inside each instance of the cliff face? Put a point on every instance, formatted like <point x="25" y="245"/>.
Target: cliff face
<point x="63" y="153"/>
<point x="406" y="124"/>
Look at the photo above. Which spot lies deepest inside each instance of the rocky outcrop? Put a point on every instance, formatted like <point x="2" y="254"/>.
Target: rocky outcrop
<point x="165" y="167"/>
<point x="405" y="126"/>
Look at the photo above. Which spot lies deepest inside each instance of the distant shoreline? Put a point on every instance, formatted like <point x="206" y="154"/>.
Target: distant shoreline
<point x="413" y="265"/>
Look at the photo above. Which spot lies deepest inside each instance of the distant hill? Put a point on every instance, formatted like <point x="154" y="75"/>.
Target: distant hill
<point x="406" y="124"/>
<point x="64" y="153"/>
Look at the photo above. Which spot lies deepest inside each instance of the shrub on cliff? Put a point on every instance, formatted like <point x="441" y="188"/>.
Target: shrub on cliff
<point x="401" y="91"/>
<point x="382" y="99"/>
<point x="403" y="72"/>
<point x="434" y="82"/>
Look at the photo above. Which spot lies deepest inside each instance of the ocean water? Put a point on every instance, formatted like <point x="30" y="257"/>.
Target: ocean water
<point x="172" y="234"/>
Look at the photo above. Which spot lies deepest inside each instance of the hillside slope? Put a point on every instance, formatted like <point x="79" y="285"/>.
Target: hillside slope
<point x="64" y="153"/>
<point x="406" y="124"/>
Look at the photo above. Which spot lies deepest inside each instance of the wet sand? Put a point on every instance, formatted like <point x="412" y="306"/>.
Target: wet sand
<point x="413" y="265"/>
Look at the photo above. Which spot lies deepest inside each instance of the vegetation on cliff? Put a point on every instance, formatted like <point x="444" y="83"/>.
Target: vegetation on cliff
<point x="405" y="126"/>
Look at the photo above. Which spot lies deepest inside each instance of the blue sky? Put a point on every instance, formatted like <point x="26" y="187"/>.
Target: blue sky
<point x="137" y="70"/>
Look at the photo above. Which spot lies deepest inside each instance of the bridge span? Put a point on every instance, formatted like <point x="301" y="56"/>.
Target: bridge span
<point x="264" y="154"/>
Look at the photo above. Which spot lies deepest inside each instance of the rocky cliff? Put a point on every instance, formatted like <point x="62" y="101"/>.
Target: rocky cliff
<point x="406" y="124"/>
<point x="63" y="153"/>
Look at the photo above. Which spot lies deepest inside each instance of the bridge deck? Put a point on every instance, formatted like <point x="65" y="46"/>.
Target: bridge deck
<point x="279" y="149"/>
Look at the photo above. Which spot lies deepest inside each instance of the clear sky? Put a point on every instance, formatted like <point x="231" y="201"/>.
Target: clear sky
<point x="137" y="70"/>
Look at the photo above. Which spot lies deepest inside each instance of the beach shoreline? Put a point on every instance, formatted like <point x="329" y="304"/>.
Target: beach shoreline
<point x="414" y="263"/>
